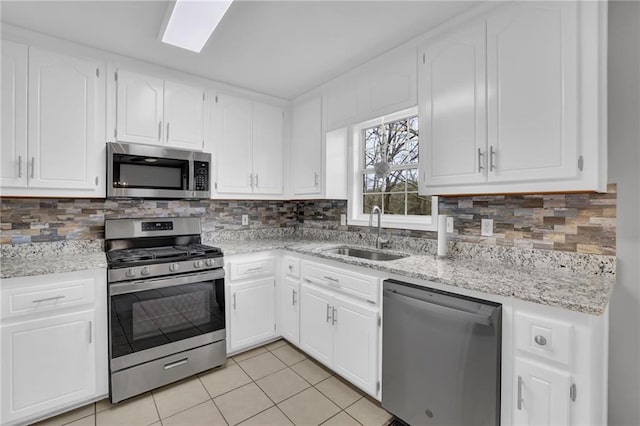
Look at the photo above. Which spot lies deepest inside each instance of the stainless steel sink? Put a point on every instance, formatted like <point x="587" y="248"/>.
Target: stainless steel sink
<point x="365" y="254"/>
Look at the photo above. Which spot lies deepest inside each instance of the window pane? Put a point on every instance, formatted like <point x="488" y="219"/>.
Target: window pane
<point x="395" y="181"/>
<point x="372" y="184"/>
<point x="369" y="201"/>
<point x="412" y="179"/>
<point x="394" y="203"/>
<point x="418" y="205"/>
<point x="372" y="146"/>
<point x="403" y="142"/>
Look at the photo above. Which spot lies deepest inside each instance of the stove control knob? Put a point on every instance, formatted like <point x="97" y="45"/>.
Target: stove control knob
<point x="145" y="270"/>
<point x="174" y="267"/>
<point x="198" y="264"/>
<point x="131" y="272"/>
<point x="209" y="262"/>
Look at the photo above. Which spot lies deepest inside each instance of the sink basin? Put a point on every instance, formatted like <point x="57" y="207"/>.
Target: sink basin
<point x="365" y="254"/>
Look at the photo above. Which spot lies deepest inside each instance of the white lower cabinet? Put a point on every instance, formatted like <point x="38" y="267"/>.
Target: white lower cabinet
<point x="54" y="344"/>
<point x="250" y="300"/>
<point x="542" y="394"/>
<point x="290" y="310"/>
<point x="340" y="331"/>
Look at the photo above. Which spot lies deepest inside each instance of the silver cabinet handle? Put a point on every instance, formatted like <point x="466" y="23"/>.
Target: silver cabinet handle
<point x="168" y="132"/>
<point x="96" y="180"/>
<point x="256" y="180"/>
<point x="159" y="130"/>
<point x="540" y="340"/>
<point x="176" y="363"/>
<point x="90" y="332"/>
<point x="328" y="312"/>
<point x="334" y="316"/>
<point x="331" y="279"/>
<point x="492" y="155"/>
<point x="479" y="160"/>
<point x="255" y="269"/>
<point x="19" y="166"/>
<point x="293" y="298"/>
<point x="48" y="299"/>
<point x="520" y="392"/>
<point x="251" y="180"/>
<point x="234" y="301"/>
<point x="315" y="179"/>
<point x="33" y="167"/>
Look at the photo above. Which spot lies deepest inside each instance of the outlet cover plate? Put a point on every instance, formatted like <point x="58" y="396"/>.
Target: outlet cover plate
<point x="449" y="224"/>
<point x="245" y="219"/>
<point x="343" y="219"/>
<point x="486" y="228"/>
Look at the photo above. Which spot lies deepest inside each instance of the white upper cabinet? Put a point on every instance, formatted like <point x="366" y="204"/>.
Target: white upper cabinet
<point x="63" y="110"/>
<point x="13" y="157"/>
<point x="452" y="103"/>
<point x="139" y="108"/>
<point x="52" y="123"/>
<point x="151" y="110"/>
<point x="249" y="141"/>
<point x="234" y="145"/>
<point x="183" y="115"/>
<point x="542" y="124"/>
<point x="532" y="92"/>
<point x="306" y="147"/>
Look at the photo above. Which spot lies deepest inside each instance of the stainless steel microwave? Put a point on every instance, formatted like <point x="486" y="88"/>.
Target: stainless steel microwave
<point x="147" y="171"/>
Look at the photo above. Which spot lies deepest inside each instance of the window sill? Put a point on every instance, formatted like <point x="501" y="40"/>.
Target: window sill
<point x="395" y="223"/>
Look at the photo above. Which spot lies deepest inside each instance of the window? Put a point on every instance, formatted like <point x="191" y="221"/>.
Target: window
<point x="385" y="160"/>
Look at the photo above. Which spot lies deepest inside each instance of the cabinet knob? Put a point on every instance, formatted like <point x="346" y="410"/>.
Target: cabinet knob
<point x="540" y="340"/>
<point x="290" y="268"/>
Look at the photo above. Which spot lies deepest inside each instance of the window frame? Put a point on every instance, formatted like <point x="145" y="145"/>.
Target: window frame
<point x="355" y="216"/>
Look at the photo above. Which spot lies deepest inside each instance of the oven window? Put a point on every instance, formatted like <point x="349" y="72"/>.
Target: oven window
<point x="150" y="318"/>
<point x="131" y="171"/>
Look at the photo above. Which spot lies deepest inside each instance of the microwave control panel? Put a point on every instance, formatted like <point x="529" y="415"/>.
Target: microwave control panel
<point x="201" y="175"/>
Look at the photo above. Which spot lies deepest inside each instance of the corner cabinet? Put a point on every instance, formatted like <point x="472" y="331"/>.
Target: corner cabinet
<point x="289" y="300"/>
<point x="250" y="300"/>
<point x="54" y="344"/>
<point x="154" y="111"/>
<point x="249" y="141"/>
<point x="53" y="122"/>
<point x="540" y="128"/>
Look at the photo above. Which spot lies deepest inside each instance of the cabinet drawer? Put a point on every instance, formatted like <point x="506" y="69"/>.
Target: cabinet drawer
<point x="291" y="266"/>
<point x="21" y="300"/>
<point x="349" y="282"/>
<point x="549" y="339"/>
<point x="240" y="270"/>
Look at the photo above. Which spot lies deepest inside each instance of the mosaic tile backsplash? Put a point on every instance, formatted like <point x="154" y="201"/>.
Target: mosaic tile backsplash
<point x="582" y="223"/>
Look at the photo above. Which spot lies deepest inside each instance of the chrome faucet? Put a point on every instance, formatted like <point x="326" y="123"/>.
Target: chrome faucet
<point x="380" y="242"/>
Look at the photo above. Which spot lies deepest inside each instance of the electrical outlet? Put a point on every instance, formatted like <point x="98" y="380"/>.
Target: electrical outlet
<point x="343" y="219"/>
<point x="449" y="224"/>
<point x="486" y="228"/>
<point x="245" y="219"/>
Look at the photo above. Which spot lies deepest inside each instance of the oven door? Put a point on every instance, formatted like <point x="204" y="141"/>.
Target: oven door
<point x="153" y="318"/>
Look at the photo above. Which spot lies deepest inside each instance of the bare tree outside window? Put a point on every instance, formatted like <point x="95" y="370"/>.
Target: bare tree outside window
<point x="390" y="175"/>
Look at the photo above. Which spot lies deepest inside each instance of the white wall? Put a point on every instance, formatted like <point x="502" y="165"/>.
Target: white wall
<point x="624" y="169"/>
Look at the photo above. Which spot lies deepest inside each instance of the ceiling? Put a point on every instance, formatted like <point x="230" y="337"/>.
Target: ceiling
<point x="280" y="48"/>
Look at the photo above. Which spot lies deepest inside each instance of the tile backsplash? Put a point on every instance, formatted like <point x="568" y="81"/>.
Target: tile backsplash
<point x="582" y="222"/>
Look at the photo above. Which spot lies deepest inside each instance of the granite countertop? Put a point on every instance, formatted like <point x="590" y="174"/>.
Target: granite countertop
<point x="577" y="288"/>
<point x="582" y="292"/>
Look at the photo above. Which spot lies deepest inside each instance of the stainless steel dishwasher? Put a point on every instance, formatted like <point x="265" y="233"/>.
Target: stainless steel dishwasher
<point x="440" y="357"/>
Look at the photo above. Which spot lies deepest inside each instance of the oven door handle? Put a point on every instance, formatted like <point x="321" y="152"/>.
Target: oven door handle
<point x="151" y="284"/>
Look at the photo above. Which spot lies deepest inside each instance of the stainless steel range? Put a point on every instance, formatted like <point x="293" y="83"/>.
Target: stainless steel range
<point x="166" y="303"/>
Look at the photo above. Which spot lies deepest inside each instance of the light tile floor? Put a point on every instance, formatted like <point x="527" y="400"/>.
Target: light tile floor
<point x="272" y="385"/>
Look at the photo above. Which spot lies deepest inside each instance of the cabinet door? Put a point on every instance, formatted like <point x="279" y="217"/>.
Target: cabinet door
<point x="356" y="343"/>
<point x="13" y="158"/>
<point x="63" y="121"/>
<point x="268" y="149"/>
<point x="183" y="115"/>
<point x="47" y="364"/>
<point x="306" y="147"/>
<point x="316" y="330"/>
<point x="532" y="92"/>
<point x="252" y="312"/>
<point x="290" y="310"/>
<point x="139" y="102"/>
<point x="541" y="394"/>
<point x="234" y="144"/>
<point x="452" y="109"/>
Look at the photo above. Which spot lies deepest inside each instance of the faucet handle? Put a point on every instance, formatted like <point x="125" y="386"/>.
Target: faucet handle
<point x="382" y="242"/>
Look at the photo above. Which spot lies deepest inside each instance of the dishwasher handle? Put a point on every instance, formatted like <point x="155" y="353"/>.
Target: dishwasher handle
<point x="446" y="310"/>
